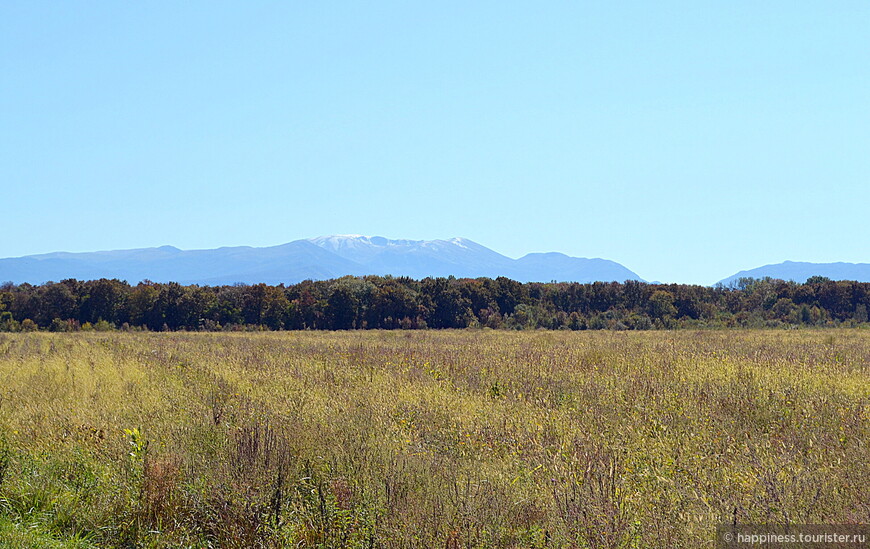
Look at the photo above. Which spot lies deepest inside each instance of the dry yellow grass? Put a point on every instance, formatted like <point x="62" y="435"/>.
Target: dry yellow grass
<point x="428" y="439"/>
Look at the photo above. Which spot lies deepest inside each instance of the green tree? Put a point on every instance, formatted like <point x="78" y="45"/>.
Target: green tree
<point x="341" y="309"/>
<point x="57" y="301"/>
<point x="661" y="305"/>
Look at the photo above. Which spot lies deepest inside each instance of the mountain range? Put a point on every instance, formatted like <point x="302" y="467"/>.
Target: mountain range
<point x="315" y="258"/>
<point x="334" y="256"/>
<point x="800" y="271"/>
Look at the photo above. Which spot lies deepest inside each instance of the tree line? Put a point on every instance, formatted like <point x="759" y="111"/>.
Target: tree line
<point x="403" y="303"/>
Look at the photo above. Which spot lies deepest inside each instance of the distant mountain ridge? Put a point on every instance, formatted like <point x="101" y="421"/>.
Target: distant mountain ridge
<point x="317" y="258"/>
<point x="800" y="271"/>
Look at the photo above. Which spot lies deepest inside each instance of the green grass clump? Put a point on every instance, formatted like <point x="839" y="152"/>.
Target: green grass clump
<point x="465" y="439"/>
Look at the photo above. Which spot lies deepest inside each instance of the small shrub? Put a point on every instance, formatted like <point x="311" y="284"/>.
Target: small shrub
<point x="28" y="325"/>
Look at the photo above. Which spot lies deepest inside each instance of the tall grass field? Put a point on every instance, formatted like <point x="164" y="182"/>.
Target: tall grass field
<point x="428" y="439"/>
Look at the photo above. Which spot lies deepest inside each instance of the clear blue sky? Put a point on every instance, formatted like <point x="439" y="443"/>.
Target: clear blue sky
<point x="685" y="140"/>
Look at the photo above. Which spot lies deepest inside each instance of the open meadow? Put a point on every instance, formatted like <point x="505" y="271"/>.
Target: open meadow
<point x="448" y="439"/>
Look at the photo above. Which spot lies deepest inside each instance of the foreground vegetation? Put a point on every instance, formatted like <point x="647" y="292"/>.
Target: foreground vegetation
<point x="428" y="439"/>
<point x="377" y="302"/>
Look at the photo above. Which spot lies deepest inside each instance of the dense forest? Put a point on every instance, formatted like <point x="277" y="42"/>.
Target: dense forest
<point x="404" y="303"/>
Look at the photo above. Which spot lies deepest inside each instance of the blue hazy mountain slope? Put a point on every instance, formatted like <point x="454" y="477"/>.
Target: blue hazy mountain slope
<point x="801" y="271"/>
<point x="560" y="267"/>
<point x="287" y="263"/>
<point x="317" y="258"/>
